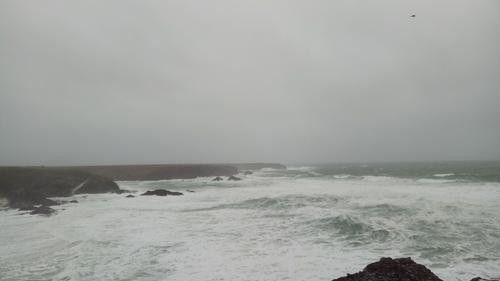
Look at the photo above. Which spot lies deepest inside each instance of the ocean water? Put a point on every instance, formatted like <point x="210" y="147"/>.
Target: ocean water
<point x="305" y="223"/>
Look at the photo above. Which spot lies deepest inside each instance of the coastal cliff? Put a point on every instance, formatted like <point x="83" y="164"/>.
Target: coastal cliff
<point x="27" y="187"/>
<point x="159" y="172"/>
<point x="173" y="171"/>
<point x="52" y="182"/>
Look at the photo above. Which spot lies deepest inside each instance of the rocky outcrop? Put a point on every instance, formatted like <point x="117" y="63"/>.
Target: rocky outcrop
<point x="402" y="269"/>
<point x="482" y="279"/>
<point x="130" y="196"/>
<point x="162" y="192"/>
<point x="52" y="182"/>
<point x="388" y="269"/>
<point x="27" y="200"/>
<point x="217" y="179"/>
<point x="27" y="188"/>
<point x="43" y="210"/>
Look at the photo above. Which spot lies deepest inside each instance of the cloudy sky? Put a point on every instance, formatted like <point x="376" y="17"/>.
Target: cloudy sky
<point x="104" y="82"/>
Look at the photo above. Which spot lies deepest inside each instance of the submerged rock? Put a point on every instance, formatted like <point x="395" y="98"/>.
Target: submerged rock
<point x="73" y="201"/>
<point x="246" y="173"/>
<point x="217" y="179"/>
<point x="42" y="210"/>
<point x="130" y="196"/>
<point x="162" y="192"/>
<point x="388" y="269"/>
<point x="233" y="178"/>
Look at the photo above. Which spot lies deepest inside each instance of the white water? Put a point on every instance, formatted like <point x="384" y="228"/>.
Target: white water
<point x="262" y="228"/>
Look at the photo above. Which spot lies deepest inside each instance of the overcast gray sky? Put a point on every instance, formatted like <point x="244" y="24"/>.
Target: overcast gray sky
<point x="104" y="82"/>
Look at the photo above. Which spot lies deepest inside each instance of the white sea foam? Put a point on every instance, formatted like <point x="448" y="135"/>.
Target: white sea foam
<point x="261" y="228"/>
<point x="444" y="175"/>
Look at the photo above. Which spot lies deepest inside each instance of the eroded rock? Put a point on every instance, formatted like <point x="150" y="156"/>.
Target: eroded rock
<point x="388" y="269"/>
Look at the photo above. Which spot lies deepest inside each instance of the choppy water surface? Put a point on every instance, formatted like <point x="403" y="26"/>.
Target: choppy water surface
<point x="307" y="223"/>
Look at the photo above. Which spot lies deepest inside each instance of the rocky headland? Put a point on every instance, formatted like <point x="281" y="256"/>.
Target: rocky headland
<point x="29" y="188"/>
<point x="173" y="171"/>
<point x="401" y="269"/>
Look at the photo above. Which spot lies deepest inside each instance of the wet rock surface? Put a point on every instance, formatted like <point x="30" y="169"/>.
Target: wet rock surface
<point x="217" y="179"/>
<point x="388" y="269"/>
<point x="162" y="192"/>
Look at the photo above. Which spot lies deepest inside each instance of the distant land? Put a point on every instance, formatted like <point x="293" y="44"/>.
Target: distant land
<point x="172" y="171"/>
<point x="25" y="187"/>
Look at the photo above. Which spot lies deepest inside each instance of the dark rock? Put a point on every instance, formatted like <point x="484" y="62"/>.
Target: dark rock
<point x="190" y="191"/>
<point x="233" y="178"/>
<point x="73" y="201"/>
<point x="388" y="269"/>
<point x="161" y="171"/>
<point x="99" y="184"/>
<point x="162" y="192"/>
<point x="26" y="200"/>
<point x="482" y="279"/>
<point x="217" y="179"/>
<point x="42" y="210"/>
<point x="22" y="205"/>
<point x="130" y="196"/>
<point x="51" y="182"/>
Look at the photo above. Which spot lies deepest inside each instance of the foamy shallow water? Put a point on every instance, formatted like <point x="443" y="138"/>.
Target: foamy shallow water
<point x="262" y="228"/>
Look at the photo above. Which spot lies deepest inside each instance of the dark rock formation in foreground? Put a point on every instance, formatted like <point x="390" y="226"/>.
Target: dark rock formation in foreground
<point x="162" y="192"/>
<point x="402" y="269"/>
<point x="388" y="269"/>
